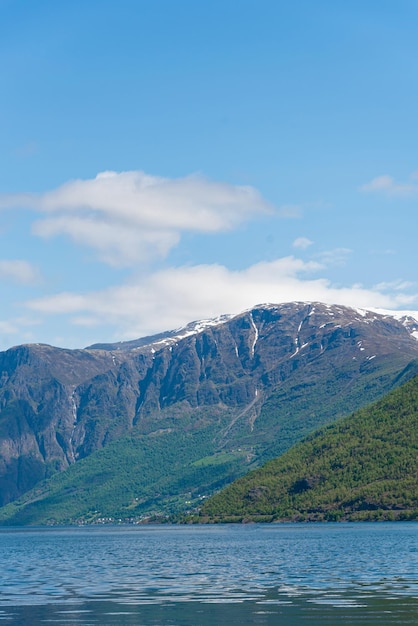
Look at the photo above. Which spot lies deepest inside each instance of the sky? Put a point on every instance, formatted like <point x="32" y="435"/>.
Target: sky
<point x="167" y="161"/>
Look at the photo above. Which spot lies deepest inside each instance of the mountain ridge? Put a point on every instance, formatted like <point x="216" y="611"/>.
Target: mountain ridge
<point x="259" y="380"/>
<point x="362" y="467"/>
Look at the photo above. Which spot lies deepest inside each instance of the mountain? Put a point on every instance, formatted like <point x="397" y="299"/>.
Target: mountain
<point x="364" y="467"/>
<point x="165" y="420"/>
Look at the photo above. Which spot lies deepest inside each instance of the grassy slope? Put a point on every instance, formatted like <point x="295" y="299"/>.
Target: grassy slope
<point x="362" y="467"/>
<point x="165" y="470"/>
<point x="126" y="479"/>
<point x="315" y="397"/>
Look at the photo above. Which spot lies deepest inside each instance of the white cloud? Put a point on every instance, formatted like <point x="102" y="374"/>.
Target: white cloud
<point x="290" y="210"/>
<point x="116" y="242"/>
<point x="16" y="331"/>
<point x="8" y="327"/>
<point x="302" y="243"/>
<point x="337" y="256"/>
<point x="387" y="184"/>
<point x="394" y="285"/>
<point x="129" y="217"/>
<point x="19" y="271"/>
<point x="170" y="298"/>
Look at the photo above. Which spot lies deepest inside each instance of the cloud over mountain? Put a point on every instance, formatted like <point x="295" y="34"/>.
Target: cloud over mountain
<point x="131" y="217"/>
<point x="172" y="297"/>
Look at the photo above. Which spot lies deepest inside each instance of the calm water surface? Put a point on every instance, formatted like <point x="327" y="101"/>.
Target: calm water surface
<point x="200" y="575"/>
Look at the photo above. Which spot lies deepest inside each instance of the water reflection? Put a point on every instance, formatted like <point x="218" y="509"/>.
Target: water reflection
<point x="269" y="613"/>
<point x="290" y="574"/>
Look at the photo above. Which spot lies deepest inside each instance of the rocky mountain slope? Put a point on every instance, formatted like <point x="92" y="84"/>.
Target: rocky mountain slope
<point x="258" y="382"/>
<point x="364" y="467"/>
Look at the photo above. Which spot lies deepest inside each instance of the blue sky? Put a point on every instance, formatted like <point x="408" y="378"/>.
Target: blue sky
<point x="168" y="161"/>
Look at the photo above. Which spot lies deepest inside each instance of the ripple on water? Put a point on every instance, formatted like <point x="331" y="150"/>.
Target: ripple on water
<point x="330" y="566"/>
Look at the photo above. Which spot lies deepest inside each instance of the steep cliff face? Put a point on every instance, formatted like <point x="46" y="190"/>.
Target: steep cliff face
<point x="58" y="406"/>
<point x="38" y="411"/>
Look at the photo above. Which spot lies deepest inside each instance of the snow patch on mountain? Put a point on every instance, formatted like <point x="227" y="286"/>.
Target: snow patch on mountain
<point x="409" y="319"/>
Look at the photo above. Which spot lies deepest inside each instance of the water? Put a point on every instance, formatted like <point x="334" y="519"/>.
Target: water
<point x="287" y="574"/>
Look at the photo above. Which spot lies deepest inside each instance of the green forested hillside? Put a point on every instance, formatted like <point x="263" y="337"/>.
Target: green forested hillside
<point x="364" y="467"/>
<point x="155" y="429"/>
<point x="159" y="473"/>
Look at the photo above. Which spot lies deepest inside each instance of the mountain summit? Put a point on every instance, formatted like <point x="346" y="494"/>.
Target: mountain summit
<point x="249" y="386"/>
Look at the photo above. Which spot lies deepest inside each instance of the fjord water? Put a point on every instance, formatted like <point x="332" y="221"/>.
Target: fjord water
<point x="290" y="574"/>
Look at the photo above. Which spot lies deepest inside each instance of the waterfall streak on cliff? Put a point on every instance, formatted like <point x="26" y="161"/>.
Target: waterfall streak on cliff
<point x="255" y="335"/>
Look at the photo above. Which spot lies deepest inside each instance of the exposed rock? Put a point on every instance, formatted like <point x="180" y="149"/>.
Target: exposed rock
<point x="58" y="406"/>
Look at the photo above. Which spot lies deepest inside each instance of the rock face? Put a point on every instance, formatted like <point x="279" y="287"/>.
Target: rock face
<point x="58" y="406"/>
<point x="38" y="411"/>
<point x="364" y="467"/>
